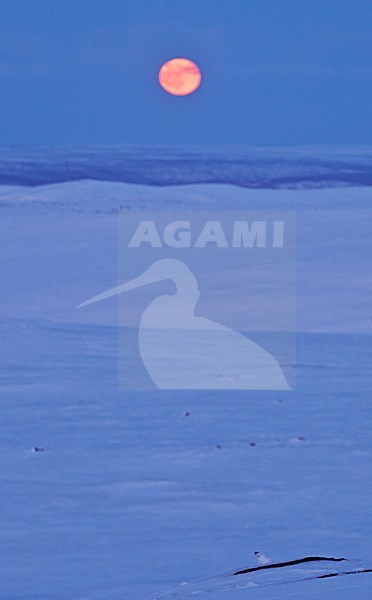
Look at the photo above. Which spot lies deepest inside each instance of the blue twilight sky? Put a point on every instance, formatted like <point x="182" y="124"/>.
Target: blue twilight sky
<point x="277" y="72"/>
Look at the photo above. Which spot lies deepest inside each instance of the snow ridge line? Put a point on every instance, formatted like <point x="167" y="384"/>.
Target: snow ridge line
<point x="324" y="576"/>
<point x="342" y="573"/>
<point x="182" y="589"/>
<point x="289" y="563"/>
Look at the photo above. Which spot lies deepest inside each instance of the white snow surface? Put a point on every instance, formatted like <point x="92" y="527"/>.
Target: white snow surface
<point x="134" y="492"/>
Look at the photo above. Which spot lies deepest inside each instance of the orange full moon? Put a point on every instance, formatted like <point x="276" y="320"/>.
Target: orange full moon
<point x="179" y="77"/>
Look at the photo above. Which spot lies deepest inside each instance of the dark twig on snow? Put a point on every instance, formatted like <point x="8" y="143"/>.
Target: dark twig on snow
<point x="288" y="563"/>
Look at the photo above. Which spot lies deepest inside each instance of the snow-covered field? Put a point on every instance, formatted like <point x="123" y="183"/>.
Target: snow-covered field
<point x="129" y="495"/>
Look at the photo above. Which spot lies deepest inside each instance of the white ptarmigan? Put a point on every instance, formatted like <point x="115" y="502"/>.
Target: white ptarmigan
<point x="262" y="559"/>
